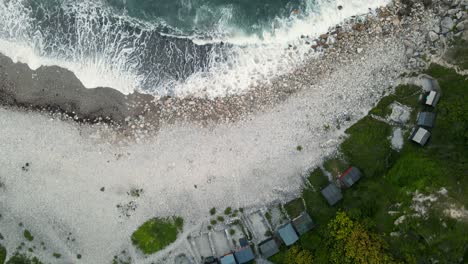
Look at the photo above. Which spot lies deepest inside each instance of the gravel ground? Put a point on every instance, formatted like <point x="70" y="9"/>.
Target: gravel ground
<point x="220" y="243"/>
<point x="203" y="245"/>
<point x="258" y="225"/>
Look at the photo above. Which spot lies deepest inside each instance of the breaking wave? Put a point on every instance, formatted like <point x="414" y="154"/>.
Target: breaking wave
<point x="178" y="47"/>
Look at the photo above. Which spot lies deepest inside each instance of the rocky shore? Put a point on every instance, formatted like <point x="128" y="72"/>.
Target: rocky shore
<point x="424" y="27"/>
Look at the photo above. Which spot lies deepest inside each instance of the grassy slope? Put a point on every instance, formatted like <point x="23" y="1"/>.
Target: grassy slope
<point x="155" y="234"/>
<point x="407" y="95"/>
<point x="294" y="208"/>
<point x="390" y="177"/>
<point x="458" y="54"/>
<point x="368" y="146"/>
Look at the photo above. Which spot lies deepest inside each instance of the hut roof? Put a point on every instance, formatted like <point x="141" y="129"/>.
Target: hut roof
<point x="432" y="98"/>
<point x="332" y="194"/>
<point x="268" y="247"/>
<point x="287" y="234"/>
<point x="421" y="136"/>
<point x="426" y="119"/>
<point x="244" y="255"/>
<point x="228" y="259"/>
<point x="303" y="223"/>
<point x="350" y="176"/>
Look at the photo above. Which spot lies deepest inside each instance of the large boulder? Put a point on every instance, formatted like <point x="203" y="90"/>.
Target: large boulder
<point x="447" y="24"/>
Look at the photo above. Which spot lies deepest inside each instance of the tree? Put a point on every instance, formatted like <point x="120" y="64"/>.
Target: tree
<point x="350" y="242"/>
<point x="297" y="255"/>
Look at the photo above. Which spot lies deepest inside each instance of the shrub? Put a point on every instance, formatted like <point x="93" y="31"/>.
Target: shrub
<point x="228" y="211"/>
<point x="213" y="211"/>
<point x="157" y="233"/>
<point x="28" y="235"/>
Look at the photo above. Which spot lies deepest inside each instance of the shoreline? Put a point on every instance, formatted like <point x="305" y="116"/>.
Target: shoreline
<point x="57" y="90"/>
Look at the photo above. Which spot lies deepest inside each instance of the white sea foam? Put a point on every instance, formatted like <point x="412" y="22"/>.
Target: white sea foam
<point x="258" y="59"/>
<point x="252" y="60"/>
<point x="92" y="73"/>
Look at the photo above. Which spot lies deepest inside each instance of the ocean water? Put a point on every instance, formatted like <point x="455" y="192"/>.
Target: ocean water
<point x="169" y="47"/>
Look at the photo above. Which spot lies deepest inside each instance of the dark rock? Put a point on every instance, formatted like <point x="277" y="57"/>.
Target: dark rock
<point x="427" y="3"/>
<point x="58" y="89"/>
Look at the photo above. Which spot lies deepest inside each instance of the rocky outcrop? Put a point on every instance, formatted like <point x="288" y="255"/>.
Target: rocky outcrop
<point x="56" y="88"/>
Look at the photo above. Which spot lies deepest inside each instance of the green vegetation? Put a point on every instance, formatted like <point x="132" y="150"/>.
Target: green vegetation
<point x="3" y="254"/>
<point x="28" y="235"/>
<point x="122" y="259"/>
<point x="235" y="213"/>
<point x="294" y="255"/>
<point x="228" y="211"/>
<point x="157" y="233"/>
<point x="134" y="192"/>
<point x="56" y="255"/>
<point x="268" y="217"/>
<point x="335" y="166"/>
<point x="457" y="55"/>
<point x="358" y="229"/>
<point x="368" y="146"/>
<point x="294" y="207"/>
<point x="404" y="94"/>
<point x="299" y="148"/>
<point x="220" y="219"/>
<point x="213" y="222"/>
<point x="213" y="211"/>
<point x="316" y="205"/>
<point x="18" y="258"/>
<point x="232" y="232"/>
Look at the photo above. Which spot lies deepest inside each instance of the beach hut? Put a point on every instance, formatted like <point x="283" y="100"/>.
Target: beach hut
<point x="432" y="98"/>
<point x="332" y="194"/>
<point x="268" y="247"/>
<point x="426" y="119"/>
<point x="303" y="223"/>
<point x="244" y="255"/>
<point x="350" y="176"/>
<point x="420" y="136"/>
<point x="228" y="259"/>
<point x="287" y="234"/>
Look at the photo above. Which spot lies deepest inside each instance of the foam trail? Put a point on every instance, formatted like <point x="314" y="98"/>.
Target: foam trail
<point x="255" y="59"/>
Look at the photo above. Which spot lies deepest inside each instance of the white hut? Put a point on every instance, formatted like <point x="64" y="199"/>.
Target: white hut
<point x="432" y="98"/>
<point x="421" y="136"/>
